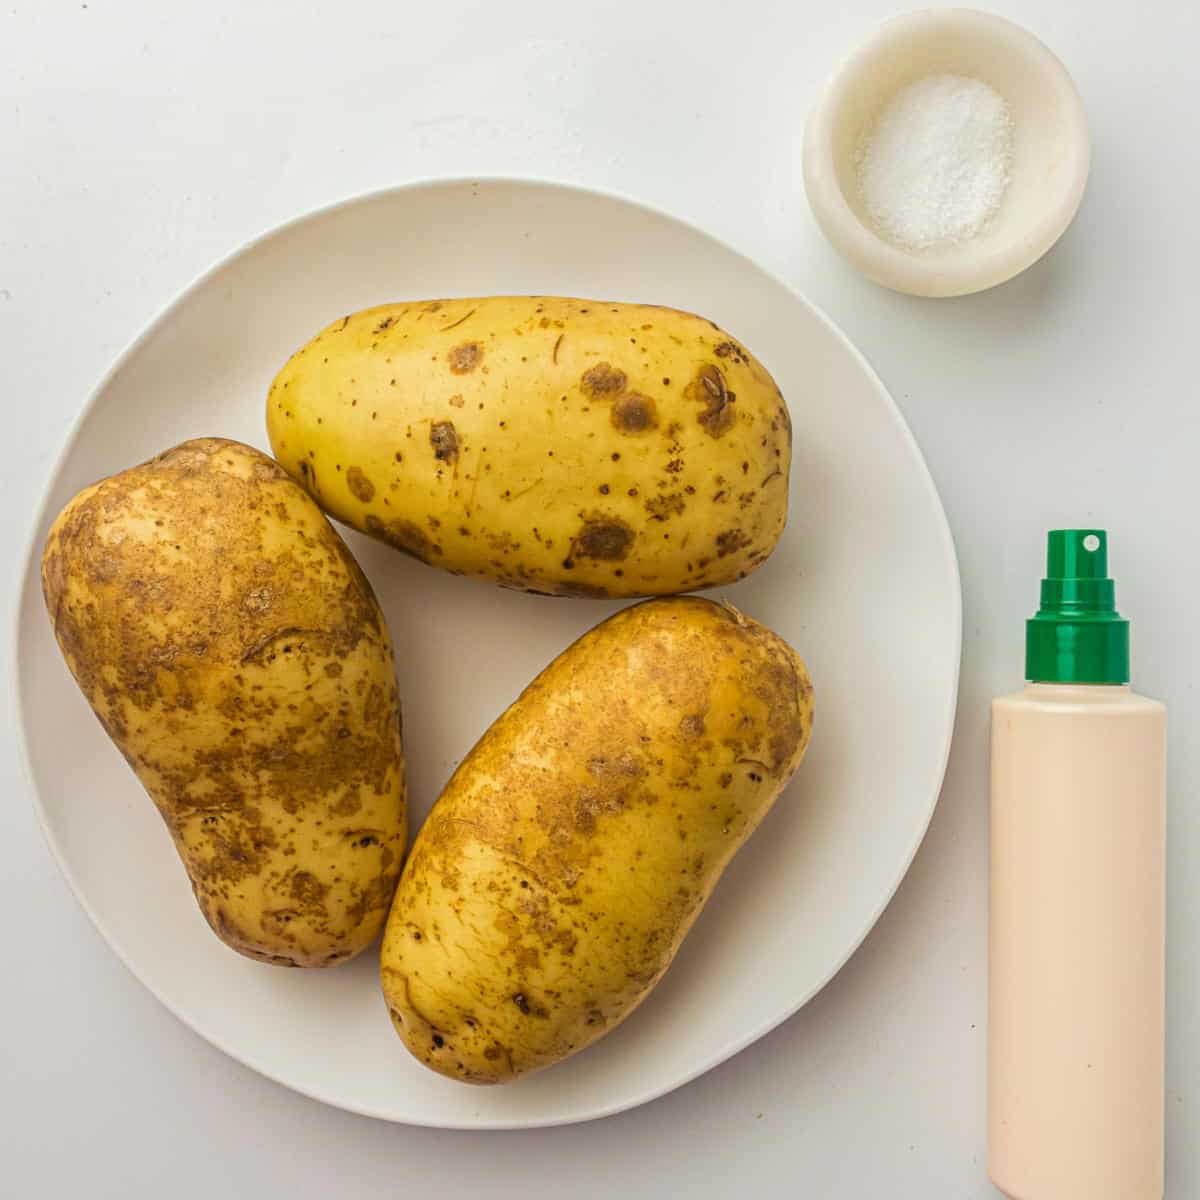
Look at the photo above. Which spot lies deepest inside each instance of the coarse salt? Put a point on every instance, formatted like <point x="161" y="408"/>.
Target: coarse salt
<point x="934" y="167"/>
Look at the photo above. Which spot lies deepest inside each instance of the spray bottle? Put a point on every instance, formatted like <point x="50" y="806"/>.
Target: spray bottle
<point x="1077" y="900"/>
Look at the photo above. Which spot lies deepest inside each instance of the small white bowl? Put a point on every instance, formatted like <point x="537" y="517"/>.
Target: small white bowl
<point x="1051" y="148"/>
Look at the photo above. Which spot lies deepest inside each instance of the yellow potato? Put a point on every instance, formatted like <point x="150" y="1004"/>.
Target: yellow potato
<point x="236" y="655"/>
<point x="570" y="853"/>
<point x="571" y="447"/>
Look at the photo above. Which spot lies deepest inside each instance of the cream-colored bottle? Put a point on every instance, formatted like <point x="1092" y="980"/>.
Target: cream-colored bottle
<point x="1077" y="899"/>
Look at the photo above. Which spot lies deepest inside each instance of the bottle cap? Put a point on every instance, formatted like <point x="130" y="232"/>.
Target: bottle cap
<point x="1077" y="636"/>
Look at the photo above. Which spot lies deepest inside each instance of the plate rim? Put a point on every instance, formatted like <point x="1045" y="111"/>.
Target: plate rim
<point x="30" y="563"/>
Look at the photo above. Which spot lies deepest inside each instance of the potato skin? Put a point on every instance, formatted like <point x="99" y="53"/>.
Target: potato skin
<point x="569" y="447"/>
<point x="236" y="655"/>
<point x="575" y="845"/>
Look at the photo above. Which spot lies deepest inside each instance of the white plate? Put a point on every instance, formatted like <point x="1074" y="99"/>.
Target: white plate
<point x="864" y="584"/>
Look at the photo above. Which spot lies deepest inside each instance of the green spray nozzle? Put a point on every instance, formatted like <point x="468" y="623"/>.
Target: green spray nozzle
<point x="1077" y="554"/>
<point x="1077" y="635"/>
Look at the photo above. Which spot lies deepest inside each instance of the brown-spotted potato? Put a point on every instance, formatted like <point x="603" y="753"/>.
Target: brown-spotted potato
<point x="571" y="447"/>
<point x="568" y="856"/>
<point x="236" y="655"/>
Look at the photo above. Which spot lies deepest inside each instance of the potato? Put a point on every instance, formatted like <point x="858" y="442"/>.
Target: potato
<point x="569" y="447"/>
<point x="573" y="848"/>
<point x="236" y="655"/>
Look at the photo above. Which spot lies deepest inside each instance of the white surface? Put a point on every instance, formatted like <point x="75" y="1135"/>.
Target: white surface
<point x="1048" y="171"/>
<point x="174" y="133"/>
<point x="797" y="900"/>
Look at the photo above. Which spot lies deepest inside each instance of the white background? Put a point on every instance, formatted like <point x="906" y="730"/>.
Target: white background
<point x="140" y="142"/>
